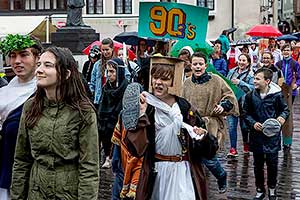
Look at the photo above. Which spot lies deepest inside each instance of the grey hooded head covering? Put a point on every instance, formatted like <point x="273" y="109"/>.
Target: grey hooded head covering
<point x="131" y="105"/>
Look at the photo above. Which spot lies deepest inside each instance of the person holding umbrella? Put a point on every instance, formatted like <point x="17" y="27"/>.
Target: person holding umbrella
<point x="94" y="56"/>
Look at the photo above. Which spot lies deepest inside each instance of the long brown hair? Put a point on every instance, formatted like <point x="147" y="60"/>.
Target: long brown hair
<point x="70" y="88"/>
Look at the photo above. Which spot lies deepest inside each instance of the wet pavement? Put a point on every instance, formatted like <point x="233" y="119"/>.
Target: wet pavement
<point x="241" y="183"/>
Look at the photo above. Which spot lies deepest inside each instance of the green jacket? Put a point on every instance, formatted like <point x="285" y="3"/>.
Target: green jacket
<point x="225" y="43"/>
<point x="58" y="158"/>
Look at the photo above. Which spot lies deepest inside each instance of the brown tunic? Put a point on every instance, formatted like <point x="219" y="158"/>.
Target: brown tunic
<point x="205" y="97"/>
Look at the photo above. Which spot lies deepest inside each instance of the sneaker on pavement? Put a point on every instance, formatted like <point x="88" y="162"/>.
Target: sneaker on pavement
<point x="286" y="148"/>
<point x="107" y="164"/>
<point x="232" y="153"/>
<point x="246" y="148"/>
<point x="260" y="195"/>
<point x="272" y="194"/>
<point x="222" y="184"/>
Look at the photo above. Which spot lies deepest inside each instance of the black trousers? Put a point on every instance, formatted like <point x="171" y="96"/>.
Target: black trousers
<point x="105" y="138"/>
<point x="271" y="160"/>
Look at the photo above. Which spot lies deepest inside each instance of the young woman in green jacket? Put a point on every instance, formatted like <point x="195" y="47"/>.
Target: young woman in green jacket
<point x="57" y="154"/>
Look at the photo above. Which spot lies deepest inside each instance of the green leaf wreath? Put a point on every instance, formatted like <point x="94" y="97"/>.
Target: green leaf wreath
<point x="15" y="42"/>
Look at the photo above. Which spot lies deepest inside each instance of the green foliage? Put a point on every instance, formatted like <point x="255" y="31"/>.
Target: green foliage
<point x="15" y="43"/>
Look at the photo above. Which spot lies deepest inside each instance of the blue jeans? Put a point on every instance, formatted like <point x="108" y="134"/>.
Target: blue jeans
<point x="118" y="171"/>
<point x="214" y="166"/>
<point x="232" y="126"/>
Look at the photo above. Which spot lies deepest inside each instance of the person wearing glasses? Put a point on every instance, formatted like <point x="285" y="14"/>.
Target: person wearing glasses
<point x="268" y="62"/>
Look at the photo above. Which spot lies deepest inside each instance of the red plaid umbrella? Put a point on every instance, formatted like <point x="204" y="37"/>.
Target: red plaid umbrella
<point x="264" y="30"/>
<point x="117" y="46"/>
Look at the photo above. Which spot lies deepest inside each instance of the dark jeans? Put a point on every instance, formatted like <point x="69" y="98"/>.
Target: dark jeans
<point x="118" y="171"/>
<point x="271" y="160"/>
<point x="214" y="166"/>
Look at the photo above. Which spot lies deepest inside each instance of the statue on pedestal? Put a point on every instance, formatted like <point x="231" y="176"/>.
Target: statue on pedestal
<point x="74" y="11"/>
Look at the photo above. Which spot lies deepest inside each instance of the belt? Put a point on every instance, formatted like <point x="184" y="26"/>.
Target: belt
<point x="177" y="158"/>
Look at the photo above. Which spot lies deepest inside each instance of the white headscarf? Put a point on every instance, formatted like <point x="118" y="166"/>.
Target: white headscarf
<point x="14" y="95"/>
<point x="189" y="49"/>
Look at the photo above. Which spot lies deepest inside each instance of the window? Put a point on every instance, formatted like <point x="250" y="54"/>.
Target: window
<point x="16" y="5"/>
<point x="32" y="5"/>
<point x="4" y="5"/>
<point x="123" y="6"/>
<point x="206" y="3"/>
<point x="94" y="6"/>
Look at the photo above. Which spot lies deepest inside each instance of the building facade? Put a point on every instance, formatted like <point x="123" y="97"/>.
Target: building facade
<point x="110" y="17"/>
<point x="296" y="4"/>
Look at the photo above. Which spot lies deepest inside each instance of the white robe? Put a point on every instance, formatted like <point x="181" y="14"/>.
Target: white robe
<point x="173" y="180"/>
<point x="13" y="95"/>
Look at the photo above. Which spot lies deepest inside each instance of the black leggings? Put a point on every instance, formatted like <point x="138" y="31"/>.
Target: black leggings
<point x="105" y="138"/>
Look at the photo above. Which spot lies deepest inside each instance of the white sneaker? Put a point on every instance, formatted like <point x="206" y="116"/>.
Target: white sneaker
<point x="107" y="163"/>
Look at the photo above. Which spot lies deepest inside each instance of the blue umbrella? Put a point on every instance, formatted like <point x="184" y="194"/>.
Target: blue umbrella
<point x="287" y="37"/>
<point x="297" y="34"/>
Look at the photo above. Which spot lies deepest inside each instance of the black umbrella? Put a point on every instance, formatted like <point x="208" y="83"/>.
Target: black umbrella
<point x="132" y="38"/>
<point x="231" y="30"/>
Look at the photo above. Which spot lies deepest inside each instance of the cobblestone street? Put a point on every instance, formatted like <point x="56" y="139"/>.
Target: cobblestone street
<point x="241" y="183"/>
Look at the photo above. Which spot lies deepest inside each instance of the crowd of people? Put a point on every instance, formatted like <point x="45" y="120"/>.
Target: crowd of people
<point x="59" y="126"/>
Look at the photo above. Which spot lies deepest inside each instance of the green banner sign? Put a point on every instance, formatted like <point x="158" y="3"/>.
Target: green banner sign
<point x="173" y="20"/>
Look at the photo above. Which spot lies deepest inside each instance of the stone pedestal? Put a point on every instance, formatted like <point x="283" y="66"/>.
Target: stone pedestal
<point x="76" y="38"/>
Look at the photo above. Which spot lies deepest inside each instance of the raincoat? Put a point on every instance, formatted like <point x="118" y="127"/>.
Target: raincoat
<point x="58" y="158"/>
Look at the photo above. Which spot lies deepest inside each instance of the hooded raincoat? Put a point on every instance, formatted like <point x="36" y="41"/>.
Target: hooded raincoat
<point x="58" y="158"/>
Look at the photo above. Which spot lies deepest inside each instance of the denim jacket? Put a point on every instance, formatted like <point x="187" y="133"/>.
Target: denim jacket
<point x="246" y="79"/>
<point x="96" y="82"/>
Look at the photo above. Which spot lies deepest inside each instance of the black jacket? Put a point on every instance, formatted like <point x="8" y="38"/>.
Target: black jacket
<point x="110" y="106"/>
<point x="256" y="109"/>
